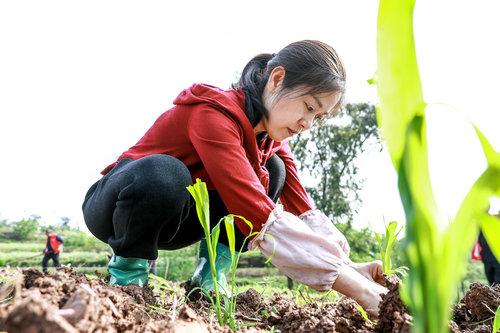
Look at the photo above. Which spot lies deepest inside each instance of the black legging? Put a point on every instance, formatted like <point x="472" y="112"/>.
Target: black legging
<point x="142" y="205"/>
<point x="47" y="257"/>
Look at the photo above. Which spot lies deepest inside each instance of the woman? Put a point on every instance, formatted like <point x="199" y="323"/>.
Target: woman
<point x="235" y="141"/>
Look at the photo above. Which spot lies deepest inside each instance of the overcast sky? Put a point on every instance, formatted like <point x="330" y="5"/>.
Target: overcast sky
<point x="80" y="82"/>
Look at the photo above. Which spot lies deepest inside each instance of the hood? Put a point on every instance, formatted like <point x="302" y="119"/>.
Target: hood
<point x="232" y="103"/>
<point x="203" y="93"/>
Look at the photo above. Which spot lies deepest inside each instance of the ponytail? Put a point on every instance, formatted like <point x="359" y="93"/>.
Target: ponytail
<point x="253" y="80"/>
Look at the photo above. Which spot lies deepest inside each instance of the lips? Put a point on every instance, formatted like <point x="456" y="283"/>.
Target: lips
<point x="291" y="132"/>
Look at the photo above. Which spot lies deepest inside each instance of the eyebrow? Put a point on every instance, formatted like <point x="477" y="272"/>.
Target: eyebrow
<point x="318" y="101"/>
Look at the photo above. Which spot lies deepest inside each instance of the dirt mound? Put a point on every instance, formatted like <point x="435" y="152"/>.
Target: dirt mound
<point x="69" y="302"/>
<point x="65" y="301"/>
<point x="476" y="311"/>
<point x="394" y="314"/>
<point x="287" y="316"/>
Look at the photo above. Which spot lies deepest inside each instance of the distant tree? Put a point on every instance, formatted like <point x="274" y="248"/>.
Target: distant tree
<point x="363" y="244"/>
<point x="65" y="222"/>
<point x="328" y="152"/>
<point x="25" y="229"/>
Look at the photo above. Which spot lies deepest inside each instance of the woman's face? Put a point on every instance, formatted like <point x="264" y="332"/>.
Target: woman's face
<point x="294" y="112"/>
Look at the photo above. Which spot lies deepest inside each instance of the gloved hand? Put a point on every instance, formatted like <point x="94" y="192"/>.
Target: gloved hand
<point x="202" y="276"/>
<point x="127" y="271"/>
<point x="371" y="270"/>
<point x="309" y="249"/>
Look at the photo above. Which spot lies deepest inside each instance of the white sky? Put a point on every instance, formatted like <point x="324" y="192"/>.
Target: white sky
<point x="80" y="82"/>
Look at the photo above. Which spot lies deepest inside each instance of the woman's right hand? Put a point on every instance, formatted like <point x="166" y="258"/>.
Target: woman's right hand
<point x="371" y="270"/>
<point x="361" y="288"/>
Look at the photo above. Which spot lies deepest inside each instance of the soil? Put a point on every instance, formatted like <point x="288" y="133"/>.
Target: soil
<point x="65" y="301"/>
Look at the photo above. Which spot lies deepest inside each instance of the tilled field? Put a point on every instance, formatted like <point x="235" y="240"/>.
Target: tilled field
<point x="66" y="301"/>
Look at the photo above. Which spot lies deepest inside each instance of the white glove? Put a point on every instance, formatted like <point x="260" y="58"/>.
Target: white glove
<point x="309" y="250"/>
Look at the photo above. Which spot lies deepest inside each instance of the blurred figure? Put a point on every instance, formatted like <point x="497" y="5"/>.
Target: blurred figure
<point x="53" y="248"/>
<point x="491" y="264"/>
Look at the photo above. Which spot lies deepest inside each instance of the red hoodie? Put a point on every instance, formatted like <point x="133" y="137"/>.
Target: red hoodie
<point x="209" y="132"/>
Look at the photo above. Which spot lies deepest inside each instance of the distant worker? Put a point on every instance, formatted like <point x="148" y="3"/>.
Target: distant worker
<point x="491" y="264"/>
<point x="53" y="248"/>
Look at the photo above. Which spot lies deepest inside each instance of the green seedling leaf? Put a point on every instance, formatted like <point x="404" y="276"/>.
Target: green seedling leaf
<point x="200" y="194"/>
<point x="250" y="225"/>
<point x="496" y="322"/>
<point x="255" y="233"/>
<point x="362" y="312"/>
<point x="491" y="187"/>
<point x="163" y="284"/>
<point x="492" y="156"/>
<point x="491" y="230"/>
<point x="229" y="223"/>
<point x="215" y="239"/>
<point x="437" y="257"/>
<point x="398" y="79"/>
<point x="386" y="244"/>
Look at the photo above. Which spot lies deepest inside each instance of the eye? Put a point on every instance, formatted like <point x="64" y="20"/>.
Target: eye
<point x="319" y="117"/>
<point x="309" y="107"/>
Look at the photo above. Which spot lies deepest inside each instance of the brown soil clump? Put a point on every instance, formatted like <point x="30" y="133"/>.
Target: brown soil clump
<point x="476" y="311"/>
<point x="342" y="316"/>
<point x="394" y="316"/>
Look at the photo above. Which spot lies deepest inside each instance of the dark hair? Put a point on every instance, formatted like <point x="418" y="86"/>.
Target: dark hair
<point x="310" y="65"/>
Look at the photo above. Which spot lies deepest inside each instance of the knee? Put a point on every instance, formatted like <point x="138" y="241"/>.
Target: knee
<point x="162" y="176"/>
<point x="276" y="167"/>
<point x="277" y="176"/>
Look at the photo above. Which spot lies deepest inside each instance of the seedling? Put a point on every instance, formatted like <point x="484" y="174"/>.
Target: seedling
<point x="226" y="310"/>
<point x="305" y="295"/>
<point x="437" y="258"/>
<point x="362" y="312"/>
<point x="386" y="244"/>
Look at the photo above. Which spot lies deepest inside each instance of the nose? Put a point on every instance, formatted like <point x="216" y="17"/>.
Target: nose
<point x="306" y="122"/>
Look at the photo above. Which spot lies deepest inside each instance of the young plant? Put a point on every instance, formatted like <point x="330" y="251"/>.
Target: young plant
<point x="306" y="295"/>
<point x="363" y="313"/>
<point x="225" y="315"/>
<point x="437" y="256"/>
<point x="200" y="194"/>
<point x="386" y="244"/>
<point x="230" y="302"/>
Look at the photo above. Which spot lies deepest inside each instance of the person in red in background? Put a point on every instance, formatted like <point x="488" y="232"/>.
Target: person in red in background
<point x="53" y="248"/>
<point x="236" y="141"/>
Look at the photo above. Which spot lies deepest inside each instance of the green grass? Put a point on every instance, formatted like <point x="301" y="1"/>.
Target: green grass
<point x="7" y="247"/>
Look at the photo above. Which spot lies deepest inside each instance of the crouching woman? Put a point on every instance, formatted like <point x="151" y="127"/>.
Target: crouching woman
<point x="236" y="142"/>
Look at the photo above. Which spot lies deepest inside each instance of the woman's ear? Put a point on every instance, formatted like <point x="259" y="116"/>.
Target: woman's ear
<point x="276" y="78"/>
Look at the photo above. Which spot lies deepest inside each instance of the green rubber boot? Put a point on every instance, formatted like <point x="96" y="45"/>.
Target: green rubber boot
<point x="202" y="276"/>
<point x="125" y="271"/>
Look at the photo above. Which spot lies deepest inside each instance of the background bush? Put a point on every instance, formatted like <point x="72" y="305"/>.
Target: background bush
<point x="25" y="229"/>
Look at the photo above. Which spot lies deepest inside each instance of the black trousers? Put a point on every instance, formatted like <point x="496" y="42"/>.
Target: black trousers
<point x="492" y="271"/>
<point x="47" y="257"/>
<point x="142" y="205"/>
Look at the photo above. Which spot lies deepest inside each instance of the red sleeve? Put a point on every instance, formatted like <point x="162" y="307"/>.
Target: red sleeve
<point x="294" y="197"/>
<point x="218" y="141"/>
